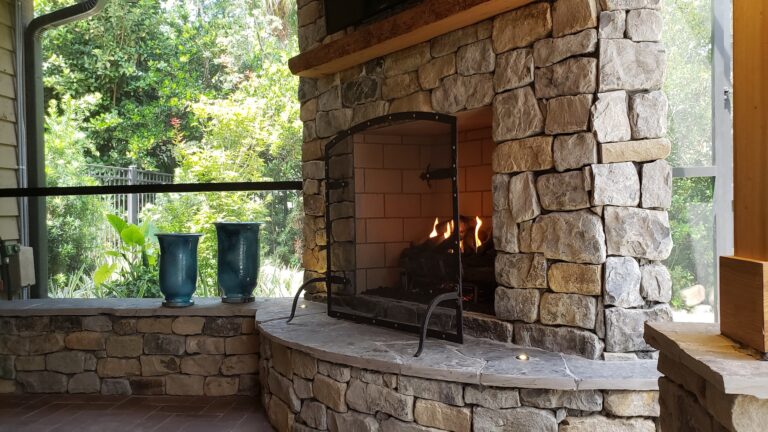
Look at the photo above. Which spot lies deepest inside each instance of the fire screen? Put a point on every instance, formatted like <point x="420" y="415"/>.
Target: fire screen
<point x="395" y="237"/>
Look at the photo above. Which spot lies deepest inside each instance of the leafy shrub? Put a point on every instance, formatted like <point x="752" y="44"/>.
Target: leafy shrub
<point x="278" y="280"/>
<point x="77" y="284"/>
<point x="73" y="243"/>
<point x="691" y="219"/>
<point x="131" y="269"/>
<point x="170" y="86"/>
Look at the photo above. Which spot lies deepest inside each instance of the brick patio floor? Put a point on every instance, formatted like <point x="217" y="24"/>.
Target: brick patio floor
<point x="96" y="413"/>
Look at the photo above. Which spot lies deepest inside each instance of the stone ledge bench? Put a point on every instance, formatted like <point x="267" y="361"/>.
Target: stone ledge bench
<point x="128" y="346"/>
<point x="710" y="382"/>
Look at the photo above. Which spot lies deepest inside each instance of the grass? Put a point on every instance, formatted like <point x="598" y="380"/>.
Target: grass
<point x="74" y="285"/>
<point x="278" y="281"/>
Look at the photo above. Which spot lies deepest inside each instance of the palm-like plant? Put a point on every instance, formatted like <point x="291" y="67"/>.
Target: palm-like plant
<point x="130" y="269"/>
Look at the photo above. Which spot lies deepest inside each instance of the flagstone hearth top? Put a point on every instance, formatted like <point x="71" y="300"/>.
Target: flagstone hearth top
<point x="477" y="361"/>
<point x="126" y="307"/>
<point x="370" y="347"/>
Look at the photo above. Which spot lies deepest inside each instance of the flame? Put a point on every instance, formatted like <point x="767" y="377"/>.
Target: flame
<point x="448" y="229"/>
<point x="433" y="234"/>
<point x="478" y="224"/>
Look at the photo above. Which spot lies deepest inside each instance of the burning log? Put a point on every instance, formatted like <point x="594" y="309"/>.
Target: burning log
<point x="428" y="266"/>
<point x="472" y="236"/>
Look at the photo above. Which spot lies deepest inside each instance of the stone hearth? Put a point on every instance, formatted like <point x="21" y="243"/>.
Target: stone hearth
<point x="319" y="373"/>
<point x="579" y="185"/>
<point x="316" y="373"/>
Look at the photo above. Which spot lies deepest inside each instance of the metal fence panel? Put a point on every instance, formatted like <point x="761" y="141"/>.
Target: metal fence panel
<point x="126" y="206"/>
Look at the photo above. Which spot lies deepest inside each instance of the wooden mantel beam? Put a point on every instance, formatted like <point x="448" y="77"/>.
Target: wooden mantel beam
<point x="744" y="276"/>
<point x="427" y="20"/>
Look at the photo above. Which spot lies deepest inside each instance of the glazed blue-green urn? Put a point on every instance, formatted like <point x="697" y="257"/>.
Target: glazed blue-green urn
<point x="238" y="266"/>
<point x="178" y="268"/>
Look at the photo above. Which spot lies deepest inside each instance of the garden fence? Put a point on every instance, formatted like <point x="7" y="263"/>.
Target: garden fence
<point x="127" y="206"/>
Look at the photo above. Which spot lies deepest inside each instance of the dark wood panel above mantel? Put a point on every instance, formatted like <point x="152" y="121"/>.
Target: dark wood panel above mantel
<point x="423" y="22"/>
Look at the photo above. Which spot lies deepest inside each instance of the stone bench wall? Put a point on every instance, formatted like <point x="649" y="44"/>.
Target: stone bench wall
<point x="690" y="402"/>
<point x="581" y="190"/>
<point x="303" y="394"/>
<point x="186" y="355"/>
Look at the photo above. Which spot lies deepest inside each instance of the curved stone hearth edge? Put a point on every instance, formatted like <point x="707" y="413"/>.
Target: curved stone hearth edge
<point x="477" y="361"/>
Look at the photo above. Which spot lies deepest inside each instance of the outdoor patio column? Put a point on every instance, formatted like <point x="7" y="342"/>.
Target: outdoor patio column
<point x="744" y="276"/>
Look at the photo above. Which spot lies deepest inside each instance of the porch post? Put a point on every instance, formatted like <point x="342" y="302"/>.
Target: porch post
<point x="744" y="276"/>
<point x="133" y="199"/>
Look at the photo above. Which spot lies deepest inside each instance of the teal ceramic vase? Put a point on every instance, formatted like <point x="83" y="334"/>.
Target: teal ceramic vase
<point x="178" y="268"/>
<point x="238" y="254"/>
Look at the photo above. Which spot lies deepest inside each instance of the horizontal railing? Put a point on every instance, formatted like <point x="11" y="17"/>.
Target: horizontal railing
<point x="152" y="188"/>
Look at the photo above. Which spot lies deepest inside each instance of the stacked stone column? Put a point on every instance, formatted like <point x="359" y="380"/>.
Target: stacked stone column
<point x="581" y="181"/>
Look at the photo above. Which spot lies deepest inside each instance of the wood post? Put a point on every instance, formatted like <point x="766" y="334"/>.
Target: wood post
<point x="743" y="277"/>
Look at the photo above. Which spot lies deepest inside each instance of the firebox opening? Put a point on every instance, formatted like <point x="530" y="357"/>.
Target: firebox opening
<point x="410" y="236"/>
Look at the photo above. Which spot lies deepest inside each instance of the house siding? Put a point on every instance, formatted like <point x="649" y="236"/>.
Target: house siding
<point x="9" y="209"/>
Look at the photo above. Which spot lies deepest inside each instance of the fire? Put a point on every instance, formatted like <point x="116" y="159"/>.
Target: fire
<point x="478" y="223"/>
<point x="447" y="228"/>
<point x="433" y="234"/>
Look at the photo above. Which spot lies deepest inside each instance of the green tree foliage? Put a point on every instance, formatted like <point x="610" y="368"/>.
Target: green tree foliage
<point x="122" y="54"/>
<point x="687" y="39"/>
<point x="151" y="60"/>
<point x="73" y="243"/>
<point x="198" y="88"/>
<point x="252" y="134"/>
<point x="688" y="84"/>
<point x="692" y="259"/>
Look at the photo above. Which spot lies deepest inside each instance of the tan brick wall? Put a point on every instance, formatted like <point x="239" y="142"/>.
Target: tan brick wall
<point x="9" y="225"/>
<point x="387" y="170"/>
<point x="475" y="172"/>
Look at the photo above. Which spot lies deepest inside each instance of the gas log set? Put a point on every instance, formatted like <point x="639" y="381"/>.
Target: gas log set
<point x="429" y="268"/>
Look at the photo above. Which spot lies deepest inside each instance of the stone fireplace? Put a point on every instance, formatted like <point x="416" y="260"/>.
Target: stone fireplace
<point x="561" y="125"/>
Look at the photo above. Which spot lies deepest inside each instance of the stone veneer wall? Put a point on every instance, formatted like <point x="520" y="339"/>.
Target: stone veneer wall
<point x="581" y="188"/>
<point x="304" y="394"/>
<point x="394" y="207"/>
<point x="189" y="355"/>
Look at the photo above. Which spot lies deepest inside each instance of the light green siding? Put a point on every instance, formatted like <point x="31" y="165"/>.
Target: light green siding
<point x="9" y="210"/>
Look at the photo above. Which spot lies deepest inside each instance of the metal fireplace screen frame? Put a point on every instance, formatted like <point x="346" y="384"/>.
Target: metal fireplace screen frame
<point x="449" y="173"/>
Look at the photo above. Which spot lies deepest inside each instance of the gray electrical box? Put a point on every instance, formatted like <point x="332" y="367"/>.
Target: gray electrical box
<point x="22" y="268"/>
